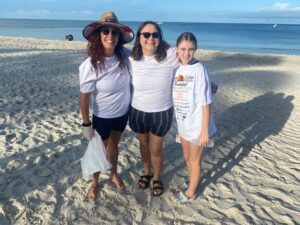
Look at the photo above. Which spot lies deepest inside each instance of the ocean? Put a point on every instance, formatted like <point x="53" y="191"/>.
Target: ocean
<point x="253" y="38"/>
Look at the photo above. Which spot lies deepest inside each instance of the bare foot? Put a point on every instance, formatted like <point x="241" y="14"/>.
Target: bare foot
<point x="116" y="180"/>
<point x="189" y="193"/>
<point x="92" y="192"/>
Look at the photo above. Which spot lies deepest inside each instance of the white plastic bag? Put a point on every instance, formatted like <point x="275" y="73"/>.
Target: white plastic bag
<point x="94" y="158"/>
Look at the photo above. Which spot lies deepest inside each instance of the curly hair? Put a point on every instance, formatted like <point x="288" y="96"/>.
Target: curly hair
<point x="161" y="51"/>
<point x="95" y="50"/>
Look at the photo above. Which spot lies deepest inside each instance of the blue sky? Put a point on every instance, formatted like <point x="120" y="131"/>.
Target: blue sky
<point x="244" y="11"/>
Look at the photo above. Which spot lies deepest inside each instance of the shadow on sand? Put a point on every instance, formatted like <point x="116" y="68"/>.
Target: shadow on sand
<point x="249" y="122"/>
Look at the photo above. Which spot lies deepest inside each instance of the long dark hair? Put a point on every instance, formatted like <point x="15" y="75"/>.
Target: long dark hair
<point x="95" y="50"/>
<point x="161" y="51"/>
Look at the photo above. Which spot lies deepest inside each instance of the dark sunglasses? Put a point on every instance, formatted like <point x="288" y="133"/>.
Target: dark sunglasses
<point x="106" y="31"/>
<point x="147" y="34"/>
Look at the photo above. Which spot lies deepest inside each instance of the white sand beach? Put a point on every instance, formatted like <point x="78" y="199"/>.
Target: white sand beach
<point x="249" y="176"/>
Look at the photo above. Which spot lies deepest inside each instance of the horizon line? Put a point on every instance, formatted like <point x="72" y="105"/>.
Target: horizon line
<point x="160" y="21"/>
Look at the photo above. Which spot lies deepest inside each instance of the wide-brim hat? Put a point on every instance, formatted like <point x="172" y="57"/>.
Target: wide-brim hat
<point x="108" y="19"/>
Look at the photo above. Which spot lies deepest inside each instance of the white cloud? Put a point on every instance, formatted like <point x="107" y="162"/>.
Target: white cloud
<point x="36" y="1"/>
<point x="46" y="0"/>
<point x="137" y="2"/>
<point x="281" y="5"/>
<point x="284" y="6"/>
<point x="42" y="12"/>
<point x="131" y="2"/>
<point x="108" y="1"/>
<point x="83" y="12"/>
<point x="296" y="9"/>
<point x="46" y="14"/>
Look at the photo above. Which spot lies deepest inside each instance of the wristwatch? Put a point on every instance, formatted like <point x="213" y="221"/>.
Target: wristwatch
<point x="86" y="124"/>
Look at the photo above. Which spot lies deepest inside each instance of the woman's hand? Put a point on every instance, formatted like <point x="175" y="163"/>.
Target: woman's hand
<point x="88" y="132"/>
<point x="204" y="138"/>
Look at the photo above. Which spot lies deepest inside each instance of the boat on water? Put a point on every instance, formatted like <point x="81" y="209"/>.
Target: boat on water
<point x="275" y="25"/>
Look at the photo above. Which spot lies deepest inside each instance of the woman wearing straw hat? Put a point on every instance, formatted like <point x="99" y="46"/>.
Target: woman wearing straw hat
<point x="104" y="77"/>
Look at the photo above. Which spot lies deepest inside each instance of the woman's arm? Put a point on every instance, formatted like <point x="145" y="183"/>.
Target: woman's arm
<point x="204" y="136"/>
<point x="84" y="107"/>
<point x="88" y="131"/>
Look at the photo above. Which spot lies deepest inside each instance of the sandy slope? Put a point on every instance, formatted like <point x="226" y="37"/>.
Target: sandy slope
<point x="251" y="176"/>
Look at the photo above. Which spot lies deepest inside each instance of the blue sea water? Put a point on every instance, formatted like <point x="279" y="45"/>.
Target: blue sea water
<point x="254" y="38"/>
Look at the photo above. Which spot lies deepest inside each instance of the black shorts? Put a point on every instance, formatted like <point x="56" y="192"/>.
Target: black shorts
<point x="158" y="123"/>
<point x="104" y="125"/>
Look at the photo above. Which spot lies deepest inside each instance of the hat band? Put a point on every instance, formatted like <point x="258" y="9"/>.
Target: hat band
<point x="110" y="20"/>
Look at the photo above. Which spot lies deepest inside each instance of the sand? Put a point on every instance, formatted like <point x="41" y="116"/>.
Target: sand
<point x="249" y="176"/>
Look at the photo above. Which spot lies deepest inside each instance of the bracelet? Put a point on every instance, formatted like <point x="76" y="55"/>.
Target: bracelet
<point x="86" y="124"/>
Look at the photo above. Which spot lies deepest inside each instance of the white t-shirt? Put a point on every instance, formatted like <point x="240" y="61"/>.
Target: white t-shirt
<point x="191" y="91"/>
<point x="152" y="82"/>
<point x="110" y="88"/>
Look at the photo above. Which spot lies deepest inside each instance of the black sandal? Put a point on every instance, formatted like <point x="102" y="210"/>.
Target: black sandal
<point x="144" y="181"/>
<point x="157" y="188"/>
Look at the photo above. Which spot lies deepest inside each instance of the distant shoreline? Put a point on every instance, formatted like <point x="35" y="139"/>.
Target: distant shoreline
<point x="233" y="37"/>
<point x="125" y="21"/>
<point x="31" y="42"/>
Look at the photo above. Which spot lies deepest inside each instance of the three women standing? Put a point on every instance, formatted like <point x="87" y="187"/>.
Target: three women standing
<point x="105" y="75"/>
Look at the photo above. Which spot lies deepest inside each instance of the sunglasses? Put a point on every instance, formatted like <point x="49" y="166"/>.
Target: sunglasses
<point x="106" y="31"/>
<point x="147" y="34"/>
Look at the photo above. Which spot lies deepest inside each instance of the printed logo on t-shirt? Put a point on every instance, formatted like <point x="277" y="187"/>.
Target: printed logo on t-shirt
<point x="189" y="78"/>
<point x="185" y="78"/>
<point x="180" y="81"/>
<point x="183" y="81"/>
<point x="183" y="86"/>
<point x="180" y="77"/>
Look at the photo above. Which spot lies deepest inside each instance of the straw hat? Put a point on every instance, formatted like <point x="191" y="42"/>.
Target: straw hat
<point x="108" y="19"/>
